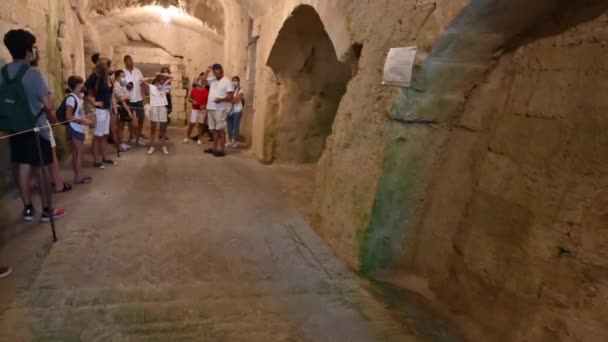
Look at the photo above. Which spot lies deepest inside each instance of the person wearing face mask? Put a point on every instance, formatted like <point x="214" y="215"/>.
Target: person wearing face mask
<point x="198" y="98"/>
<point x="236" y="113"/>
<point x="30" y="160"/>
<point x="125" y="115"/>
<point x="75" y="130"/>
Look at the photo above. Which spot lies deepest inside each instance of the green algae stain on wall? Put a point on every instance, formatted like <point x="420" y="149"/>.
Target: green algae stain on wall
<point x="387" y="212"/>
<point x="390" y="236"/>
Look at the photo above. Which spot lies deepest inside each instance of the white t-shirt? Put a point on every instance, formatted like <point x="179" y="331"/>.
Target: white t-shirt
<point x="72" y="100"/>
<point x="238" y="106"/>
<point x="158" y="95"/>
<point x="219" y="89"/>
<point x="136" y="77"/>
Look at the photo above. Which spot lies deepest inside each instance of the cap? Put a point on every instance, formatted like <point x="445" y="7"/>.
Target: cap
<point x="217" y="66"/>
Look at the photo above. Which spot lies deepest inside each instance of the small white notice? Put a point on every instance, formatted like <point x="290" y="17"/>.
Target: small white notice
<point x="399" y="66"/>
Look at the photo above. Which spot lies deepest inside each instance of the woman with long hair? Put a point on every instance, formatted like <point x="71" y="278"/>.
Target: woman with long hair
<point x="101" y="96"/>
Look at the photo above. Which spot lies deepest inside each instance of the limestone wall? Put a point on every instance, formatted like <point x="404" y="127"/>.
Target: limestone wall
<point x="516" y="227"/>
<point x="486" y="177"/>
<point x="59" y="40"/>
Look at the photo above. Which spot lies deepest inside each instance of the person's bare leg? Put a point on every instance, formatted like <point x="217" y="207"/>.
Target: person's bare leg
<point x="24" y="183"/>
<point x="96" y="157"/>
<point x="116" y="136"/>
<point x="190" y="129"/>
<point x="222" y="139"/>
<point x="152" y="133"/>
<point x="140" y="127"/>
<point x="42" y="173"/>
<point x="77" y="158"/>
<point x="55" y="172"/>
<point x="74" y="158"/>
<point x="216" y="139"/>
<point x="201" y="131"/>
<point x="103" y="142"/>
<point x="163" y="133"/>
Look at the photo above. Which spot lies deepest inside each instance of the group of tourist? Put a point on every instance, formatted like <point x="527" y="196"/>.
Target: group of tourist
<point x="117" y="99"/>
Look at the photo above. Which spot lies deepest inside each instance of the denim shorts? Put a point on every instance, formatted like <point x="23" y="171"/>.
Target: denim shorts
<point x="73" y="134"/>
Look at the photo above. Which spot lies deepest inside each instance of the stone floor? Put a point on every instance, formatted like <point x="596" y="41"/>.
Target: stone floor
<point x="182" y="247"/>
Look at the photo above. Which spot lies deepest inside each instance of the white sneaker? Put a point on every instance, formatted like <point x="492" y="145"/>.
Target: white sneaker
<point x="199" y="142"/>
<point x="151" y="150"/>
<point x="165" y="151"/>
<point x="141" y="143"/>
<point x="186" y="141"/>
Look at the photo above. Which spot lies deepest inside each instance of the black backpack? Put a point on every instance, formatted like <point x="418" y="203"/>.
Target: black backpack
<point x="61" y="111"/>
<point x="15" y="112"/>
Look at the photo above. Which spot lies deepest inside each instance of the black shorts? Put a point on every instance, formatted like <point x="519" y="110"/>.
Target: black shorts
<point x="25" y="151"/>
<point x="137" y="108"/>
<point x="123" y="114"/>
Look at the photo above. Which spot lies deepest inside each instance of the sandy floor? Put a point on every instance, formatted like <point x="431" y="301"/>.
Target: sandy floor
<point x="183" y="247"/>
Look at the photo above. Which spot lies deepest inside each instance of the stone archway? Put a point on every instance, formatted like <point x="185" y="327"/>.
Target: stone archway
<point x="310" y="84"/>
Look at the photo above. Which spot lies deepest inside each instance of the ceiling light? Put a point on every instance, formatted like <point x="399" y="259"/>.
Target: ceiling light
<point x="165" y="15"/>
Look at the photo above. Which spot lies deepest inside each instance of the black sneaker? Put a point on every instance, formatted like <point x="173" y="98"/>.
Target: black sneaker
<point x="99" y="166"/>
<point x="5" y="271"/>
<point x="109" y="162"/>
<point x="219" y="154"/>
<point x="28" y="214"/>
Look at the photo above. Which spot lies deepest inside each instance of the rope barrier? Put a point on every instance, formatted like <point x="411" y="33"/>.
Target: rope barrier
<point x="37" y="129"/>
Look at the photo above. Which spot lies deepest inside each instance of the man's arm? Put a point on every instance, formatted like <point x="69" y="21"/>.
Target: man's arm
<point x="49" y="107"/>
<point x="228" y="98"/>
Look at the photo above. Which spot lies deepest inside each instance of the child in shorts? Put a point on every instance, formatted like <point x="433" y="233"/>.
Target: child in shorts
<point x="157" y="88"/>
<point x="75" y="130"/>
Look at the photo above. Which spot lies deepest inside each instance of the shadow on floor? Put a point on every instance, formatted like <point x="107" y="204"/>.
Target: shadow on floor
<point x="413" y="309"/>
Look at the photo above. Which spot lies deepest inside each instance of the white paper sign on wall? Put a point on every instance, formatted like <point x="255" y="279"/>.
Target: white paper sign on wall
<point x="399" y="66"/>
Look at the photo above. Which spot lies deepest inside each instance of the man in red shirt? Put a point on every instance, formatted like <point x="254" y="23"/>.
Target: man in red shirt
<point x="199" y="95"/>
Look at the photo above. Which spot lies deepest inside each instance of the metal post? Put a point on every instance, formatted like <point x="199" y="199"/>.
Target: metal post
<point x="45" y="180"/>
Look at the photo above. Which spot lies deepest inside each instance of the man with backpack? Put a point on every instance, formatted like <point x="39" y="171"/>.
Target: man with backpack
<point x="25" y="97"/>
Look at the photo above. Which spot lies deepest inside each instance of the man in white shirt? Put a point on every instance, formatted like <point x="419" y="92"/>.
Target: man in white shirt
<point x="134" y="79"/>
<point x="221" y="93"/>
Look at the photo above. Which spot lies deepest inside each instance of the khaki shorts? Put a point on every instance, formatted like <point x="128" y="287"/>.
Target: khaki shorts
<point x="198" y="116"/>
<point x="216" y="119"/>
<point x="158" y="114"/>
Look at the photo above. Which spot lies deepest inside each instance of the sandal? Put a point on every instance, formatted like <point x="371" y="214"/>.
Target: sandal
<point x="66" y="187"/>
<point x="84" y="180"/>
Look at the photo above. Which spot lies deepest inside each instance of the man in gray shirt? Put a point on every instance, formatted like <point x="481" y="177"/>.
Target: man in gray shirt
<point x="24" y="151"/>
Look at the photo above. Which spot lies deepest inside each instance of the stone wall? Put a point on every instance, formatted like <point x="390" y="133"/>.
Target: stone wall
<point x="516" y="227"/>
<point x="486" y="178"/>
<point x="59" y="39"/>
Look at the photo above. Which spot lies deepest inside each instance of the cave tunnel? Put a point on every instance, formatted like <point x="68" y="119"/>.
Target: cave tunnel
<point x="468" y="206"/>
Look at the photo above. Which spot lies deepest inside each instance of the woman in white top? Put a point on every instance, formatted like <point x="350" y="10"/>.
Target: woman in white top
<point x="236" y="113"/>
<point x="157" y="91"/>
<point x="74" y="112"/>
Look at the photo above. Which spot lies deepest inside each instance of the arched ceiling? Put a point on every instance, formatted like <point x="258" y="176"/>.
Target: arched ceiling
<point x="210" y="12"/>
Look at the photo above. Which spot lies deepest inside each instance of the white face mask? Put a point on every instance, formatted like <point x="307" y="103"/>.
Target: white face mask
<point x="235" y="83"/>
<point x="123" y="82"/>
